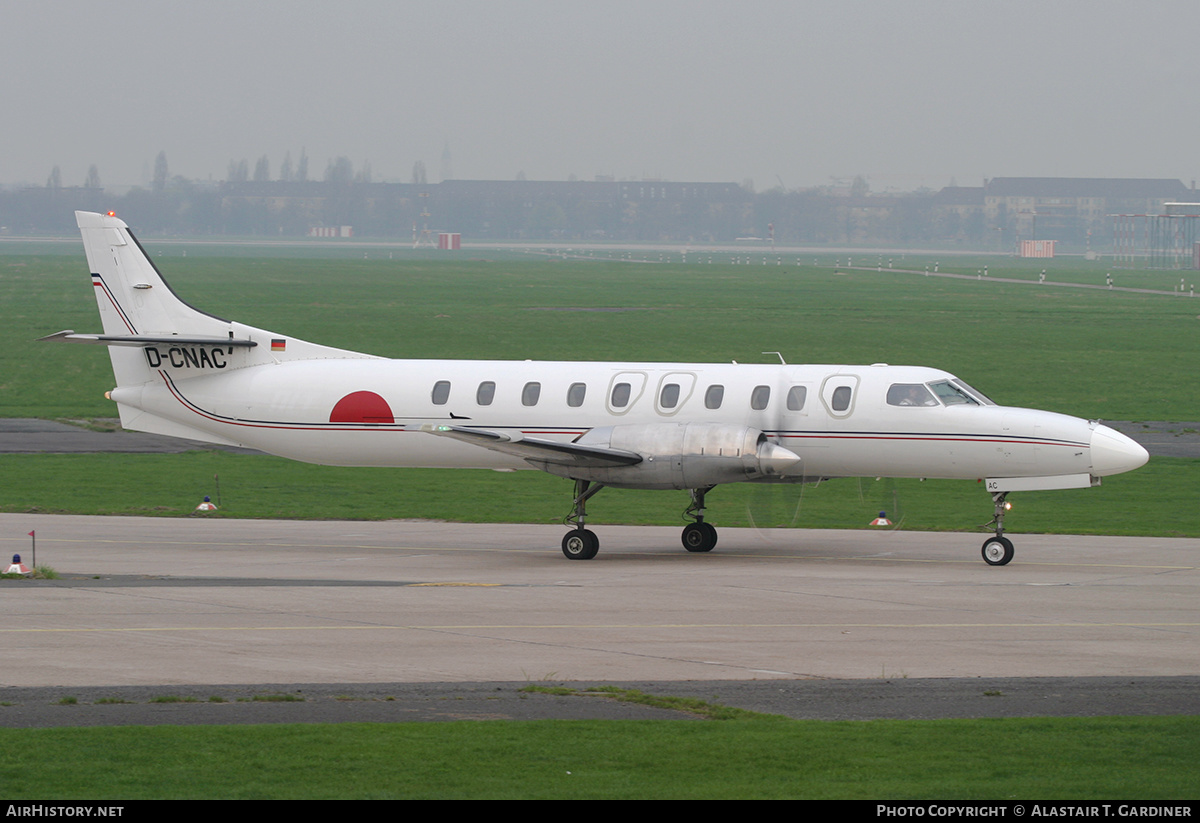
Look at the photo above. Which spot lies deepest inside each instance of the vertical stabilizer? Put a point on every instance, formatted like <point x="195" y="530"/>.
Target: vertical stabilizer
<point x="157" y="342"/>
<point x="133" y="297"/>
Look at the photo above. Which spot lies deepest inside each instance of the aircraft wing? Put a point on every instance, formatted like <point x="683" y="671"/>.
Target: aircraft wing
<point x="543" y="451"/>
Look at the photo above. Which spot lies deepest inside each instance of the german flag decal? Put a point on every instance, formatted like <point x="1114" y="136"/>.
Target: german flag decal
<point x="278" y="344"/>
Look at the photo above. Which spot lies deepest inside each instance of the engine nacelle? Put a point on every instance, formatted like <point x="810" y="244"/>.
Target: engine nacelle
<point x="683" y="456"/>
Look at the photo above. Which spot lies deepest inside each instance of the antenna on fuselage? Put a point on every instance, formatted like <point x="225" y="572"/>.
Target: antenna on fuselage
<point x="782" y="362"/>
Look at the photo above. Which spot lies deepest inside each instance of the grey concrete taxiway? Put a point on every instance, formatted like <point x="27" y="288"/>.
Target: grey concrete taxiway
<point x="162" y="602"/>
<point x="433" y="621"/>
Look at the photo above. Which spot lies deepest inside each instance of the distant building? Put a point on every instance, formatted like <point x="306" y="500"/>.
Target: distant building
<point x="958" y="214"/>
<point x="1074" y="210"/>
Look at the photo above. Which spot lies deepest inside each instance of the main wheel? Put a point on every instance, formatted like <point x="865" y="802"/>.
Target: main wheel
<point x="580" y="544"/>
<point x="699" y="537"/>
<point x="997" y="551"/>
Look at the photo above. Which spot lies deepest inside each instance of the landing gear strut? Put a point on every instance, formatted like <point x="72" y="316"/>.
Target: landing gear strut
<point x="698" y="536"/>
<point x="579" y="543"/>
<point x="998" y="550"/>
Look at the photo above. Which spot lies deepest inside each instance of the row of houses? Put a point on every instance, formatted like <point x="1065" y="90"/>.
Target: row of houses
<point x="1077" y="211"/>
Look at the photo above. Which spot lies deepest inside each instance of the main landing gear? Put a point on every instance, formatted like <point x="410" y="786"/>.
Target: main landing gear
<point x="698" y="536"/>
<point x="998" y="550"/>
<point x="579" y="543"/>
<point x="582" y="544"/>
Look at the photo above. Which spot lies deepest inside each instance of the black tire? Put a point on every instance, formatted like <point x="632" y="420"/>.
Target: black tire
<point x="580" y="544"/>
<point x="997" y="551"/>
<point x="699" y="537"/>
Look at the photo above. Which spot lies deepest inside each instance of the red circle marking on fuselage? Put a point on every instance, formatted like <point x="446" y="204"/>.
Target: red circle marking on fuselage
<point x="362" y="407"/>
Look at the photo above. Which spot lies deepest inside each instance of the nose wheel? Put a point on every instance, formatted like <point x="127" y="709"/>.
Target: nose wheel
<point x="997" y="551"/>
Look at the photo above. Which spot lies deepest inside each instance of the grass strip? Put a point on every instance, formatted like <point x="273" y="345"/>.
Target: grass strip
<point x="1073" y="758"/>
<point x="1157" y="500"/>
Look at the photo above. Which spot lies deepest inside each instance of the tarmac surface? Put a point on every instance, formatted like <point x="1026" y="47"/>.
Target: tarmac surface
<point x="404" y="620"/>
<point x="139" y="635"/>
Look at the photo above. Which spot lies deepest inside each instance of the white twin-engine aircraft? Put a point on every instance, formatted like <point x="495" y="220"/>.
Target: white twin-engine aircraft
<point x="185" y="373"/>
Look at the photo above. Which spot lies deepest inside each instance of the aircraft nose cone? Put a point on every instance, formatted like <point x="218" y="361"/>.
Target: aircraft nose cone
<point x="1113" y="452"/>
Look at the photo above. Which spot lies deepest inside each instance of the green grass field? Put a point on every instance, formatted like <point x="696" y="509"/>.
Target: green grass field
<point x="1024" y="759"/>
<point x="1157" y="500"/>
<point x="1112" y="355"/>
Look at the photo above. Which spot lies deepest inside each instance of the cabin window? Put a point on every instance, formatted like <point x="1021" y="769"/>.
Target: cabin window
<point x="575" y="394"/>
<point x="714" y="396"/>
<point x="910" y="394"/>
<point x="841" y="398"/>
<point x="530" y="394"/>
<point x="620" y="395"/>
<point x="668" y="398"/>
<point x="796" y="397"/>
<point x="486" y="393"/>
<point x="760" y="397"/>
<point x="441" y="392"/>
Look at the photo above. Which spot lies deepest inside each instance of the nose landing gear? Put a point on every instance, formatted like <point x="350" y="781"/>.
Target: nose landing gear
<point x="998" y="550"/>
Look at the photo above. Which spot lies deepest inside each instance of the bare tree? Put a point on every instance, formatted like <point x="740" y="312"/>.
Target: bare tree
<point x="238" y="171"/>
<point x="339" y="171"/>
<point x="93" y="178"/>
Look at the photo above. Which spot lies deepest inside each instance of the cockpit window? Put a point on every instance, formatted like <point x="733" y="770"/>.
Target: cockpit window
<point x="952" y="395"/>
<point x="910" y="394"/>
<point x="980" y="396"/>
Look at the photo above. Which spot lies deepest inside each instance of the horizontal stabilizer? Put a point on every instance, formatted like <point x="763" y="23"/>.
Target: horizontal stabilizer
<point x="69" y="336"/>
<point x="543" y="451"/>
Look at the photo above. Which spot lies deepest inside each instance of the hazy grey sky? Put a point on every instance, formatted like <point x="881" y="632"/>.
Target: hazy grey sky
<point x="907" y="93"/>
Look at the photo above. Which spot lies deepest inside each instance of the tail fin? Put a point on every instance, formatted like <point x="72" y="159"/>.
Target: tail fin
<point x="139" y="312"/>
<point x="157" y="341"/>
<point x="134" y="299"/>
